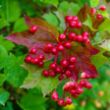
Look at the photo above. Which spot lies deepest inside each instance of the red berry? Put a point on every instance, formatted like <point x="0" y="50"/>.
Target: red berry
<point x="72" y="36"/>
<point x="67" y="45"/>
<point x="64" y="63"/>
<point x="68" y="73"/>
<point x="79" y="38"/>
<point x="72" y="59"/>
<point x="88" y="85"/>
<point x="92" y="11"/>
<point x="48" y="47"/>
<point x="52" y="73"/>
<point x="41" y="57"/>
<point x="28" y="59"/>
<point x="53" y="65"/>
<point x="54" y="96"/>
<point x="73" y="24"/>
<point x="54" y="51"/>
<point x="102" y="7"/>
<point x="99" y="17"/>
<point x="79" y="90"/>
<point x="68" y="18"/>
<point x="61" y="102"/>
<point x="41" y="64"/>
<point x="62" y="37"/>
<point x="33" y="51"/>
<point x="33" y="29"/>
<point x="78" y="24"/>
<point x="58" y="69"/>
<point x="71" y="67"/>
<point x="35" y="61"/>
<point x="60" y="47"/>
<point x="45" y="73"/>
<point x="85" y="34"/>
<point x="68" y="101"/>
<point x="75" y="18"/>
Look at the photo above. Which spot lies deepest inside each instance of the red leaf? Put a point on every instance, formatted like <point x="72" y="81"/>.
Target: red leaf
<point x="45" y="33"/>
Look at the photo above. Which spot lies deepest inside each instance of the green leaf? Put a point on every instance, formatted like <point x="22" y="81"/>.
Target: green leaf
<point x="20" y="25"/>
<point x="8" y="45"/>
<point x="10" y="10"/>
<point x="94" y="3"/>
<point x="88" y="22"/>
<point x="74" y="8"/>
<point x="51" y="18"/>
<point x="105" y="26"/>
<point x="32" y="100"/>
<point x="4" y="95"/>
<point x="3" y="23"/>
<point x="51" y="2"/>
<point x="63" y="7"/>
<point x="2" y="79"/>
<point x="99" y="59"/>
<point x="35" y="79"/>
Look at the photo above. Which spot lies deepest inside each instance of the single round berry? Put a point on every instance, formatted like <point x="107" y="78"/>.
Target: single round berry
<point x="78" y="24"/>
<point x="60" y="47"/>
<point x="71" y="67"/>
<point x="58" y="69"/>
<point x="55" y="51"/>
<point x="68" y="73"/>
<point x="67" y="45"/>
<point x="52" y="73"/>
<point x="41" y="64"/>
<point x="85" y="34"/>
<point x="75" y="18"/>
<point x="92" y="11"/>
<point x="88" y="85"/>
<point x="54" y="96"/>
<point x="99" y="17"/>
<point x="68" y="101"/>
<point x="45" y="73"/>
<point x="62" y="37"/>
<point x="79" y="38"/>
<point x="73" y="24"/>
<point x="72" y="59"/>
<point x="68" y="18"/>
<point x="64" y="63"/>
<point x="61" y="102"/>
<point x="33" y="28"/>
<point x="53" y="65"/>
<point x="79" y="90"/>
<point x="48" y="47"/>
<point x="102" y="7"/>
<point x="35" y="60"/>
<point x="33" y="51"/>
<point x="72" y="36"/>
<point x="41" y="57"/>
<point x="28" y="59"/>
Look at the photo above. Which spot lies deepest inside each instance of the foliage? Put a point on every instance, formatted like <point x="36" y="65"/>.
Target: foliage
<point x="22" y="87"/>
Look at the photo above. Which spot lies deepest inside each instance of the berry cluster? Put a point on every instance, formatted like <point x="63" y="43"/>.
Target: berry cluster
<point x="98" y="15"/>
<point x="33" y="59"/>
<point x="64" y="63"/>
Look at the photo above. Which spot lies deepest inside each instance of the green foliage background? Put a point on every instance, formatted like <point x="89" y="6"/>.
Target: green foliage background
<point x="15" y="78"/>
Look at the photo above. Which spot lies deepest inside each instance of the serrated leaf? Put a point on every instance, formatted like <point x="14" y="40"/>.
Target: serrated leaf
<point x="105" y="26"/>
<point x="20" y="25"/>
<point x="4" y="95"/>
<point x="33" y="100"/>
<point x="10" y="10"/>
<point x="45" y="33"/>
<point x="35" y="79"/>
<point x="50" y="17"/>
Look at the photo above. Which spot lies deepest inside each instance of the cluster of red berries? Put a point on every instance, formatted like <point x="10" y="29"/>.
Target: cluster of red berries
<point x="98" y="15"/>
<point x="33" y="59"/>
<point x="64" y="63"/>
<point x="73" y="88"/>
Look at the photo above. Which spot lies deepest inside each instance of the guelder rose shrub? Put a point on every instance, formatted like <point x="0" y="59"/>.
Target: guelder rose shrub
<point x="69" y="53"/>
